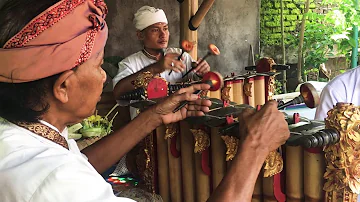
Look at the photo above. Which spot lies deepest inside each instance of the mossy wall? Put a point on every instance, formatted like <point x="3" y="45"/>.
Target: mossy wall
<point x="270" y="27"/>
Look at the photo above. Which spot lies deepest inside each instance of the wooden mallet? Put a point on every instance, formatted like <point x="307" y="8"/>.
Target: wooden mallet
<point x="186" y="46"/>
<point x="214" y="79"/>
<point x="213" y="50"/>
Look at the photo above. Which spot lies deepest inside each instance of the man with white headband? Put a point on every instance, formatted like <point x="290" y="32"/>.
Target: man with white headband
<point x="152" y="30"/>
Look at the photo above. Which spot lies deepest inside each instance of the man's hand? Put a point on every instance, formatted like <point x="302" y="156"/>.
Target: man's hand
<point x="202" y="67"/>
<point x="262" y="132"/>
<point x="170" y="62"/>
<point x="196" y="106"/>
<point x="266" y="129"/>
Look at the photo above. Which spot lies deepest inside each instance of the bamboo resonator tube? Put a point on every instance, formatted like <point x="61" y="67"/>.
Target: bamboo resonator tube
<point x="195" y="20"/>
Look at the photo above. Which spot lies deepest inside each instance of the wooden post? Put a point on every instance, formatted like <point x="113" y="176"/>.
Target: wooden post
<point x="188" y="8"/>
<point x="163" y="164"/>
<point x="218" y="157"/>
<point x="187" y="162"/>
<point x="200" y="14"/>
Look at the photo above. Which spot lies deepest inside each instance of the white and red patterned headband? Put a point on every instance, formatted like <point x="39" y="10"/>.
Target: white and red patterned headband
<point x="62" y="37"/>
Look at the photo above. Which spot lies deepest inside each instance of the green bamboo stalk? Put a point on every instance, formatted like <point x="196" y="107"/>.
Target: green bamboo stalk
<point x="354" y="51"/>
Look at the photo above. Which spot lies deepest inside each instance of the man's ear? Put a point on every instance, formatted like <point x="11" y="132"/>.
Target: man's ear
<point x="140" y="35"/>
<point x="61" y="86"/>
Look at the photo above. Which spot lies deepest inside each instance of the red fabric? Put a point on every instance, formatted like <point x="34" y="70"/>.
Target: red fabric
<point x="62" y="37"/>
<point x="205" y="162"/>
<point x="174" y="151"/>
<point x="279" y="195"/>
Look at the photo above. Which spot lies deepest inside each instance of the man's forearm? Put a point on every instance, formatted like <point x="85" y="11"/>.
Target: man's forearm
<point x="238" y="184"/>
<point x="125" y="84"/>
<point x="107" y="151"/>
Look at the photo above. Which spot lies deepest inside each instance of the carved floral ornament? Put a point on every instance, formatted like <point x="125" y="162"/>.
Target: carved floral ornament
<point x="343" y="159"/>
<point x="231" y="143"/>
<point x="271" y="87"/>
<point x="142" y="80"/>
<point x="273" y="164"/>
<point x="170" y="131"/>
<point x="225" y="94"/>
<point x="202" y="140"/>
<point x="271" y="62"/>
<point x="247" y="89"/>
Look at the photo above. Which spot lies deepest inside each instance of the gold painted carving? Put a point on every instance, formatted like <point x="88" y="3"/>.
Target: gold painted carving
<point x="271" y="62"/>
<point x="202" y="140"/>
<point x="142" y="80"/>
<point x="273" y="164"/>
<point x="170" y="131"/>
<point x="247" y="89"/>
<point x="271" y="87"/>
<point x="231" y="143"/>
<point x="147" y="154"/>
<point x="145" y="163"/>
<point x="342" y="174"/>
<point x="225" y="94"/>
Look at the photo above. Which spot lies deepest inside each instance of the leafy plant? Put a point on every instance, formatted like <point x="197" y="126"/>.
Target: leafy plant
<point x="306" y="72"/>
<point x="278" y="87"/>
<point x="342" y="71"/>
<point x="328" y="34"/>
<point x="93" y="126"/>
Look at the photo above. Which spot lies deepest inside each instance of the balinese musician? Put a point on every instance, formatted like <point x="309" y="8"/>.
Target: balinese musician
<point x="155" y="58"/>
<point x="152" y="30"/>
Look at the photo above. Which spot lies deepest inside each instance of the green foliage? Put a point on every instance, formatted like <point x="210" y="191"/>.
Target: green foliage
<point x="342" y="71"/>
<point x="278" y="87"/>
<point x="323" y="80"/>
<point x="328" y="34"/>
<point x="306" y="72"/>
<point x="270" y="31"/>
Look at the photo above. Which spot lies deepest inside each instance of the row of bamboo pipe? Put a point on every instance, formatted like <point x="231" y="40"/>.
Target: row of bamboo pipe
<point x="182" y="179"/>
<point x="179" y="181"/>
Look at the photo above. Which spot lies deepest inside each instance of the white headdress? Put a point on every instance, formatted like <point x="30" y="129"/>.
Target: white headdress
<point x="147" y="16"/>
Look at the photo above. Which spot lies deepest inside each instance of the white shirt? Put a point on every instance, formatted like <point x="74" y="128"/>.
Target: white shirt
<point x="35" y="169"/>
<point x="343" y="88"/>
<point x="139" y="61"/>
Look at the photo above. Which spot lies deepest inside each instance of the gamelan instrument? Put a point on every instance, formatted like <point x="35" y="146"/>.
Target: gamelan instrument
<point x="186" y="161"/>
<point x="157" y="87"/>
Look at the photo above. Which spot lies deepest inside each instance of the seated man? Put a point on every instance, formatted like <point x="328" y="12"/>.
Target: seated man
<point x="51" y="76"/>
<point x="343" y="88"/>
<point x="153" y="32"/>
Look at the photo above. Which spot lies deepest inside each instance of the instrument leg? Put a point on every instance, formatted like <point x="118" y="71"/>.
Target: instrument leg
<point x="187" y="162"/>
<point x="163" y="163"/>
